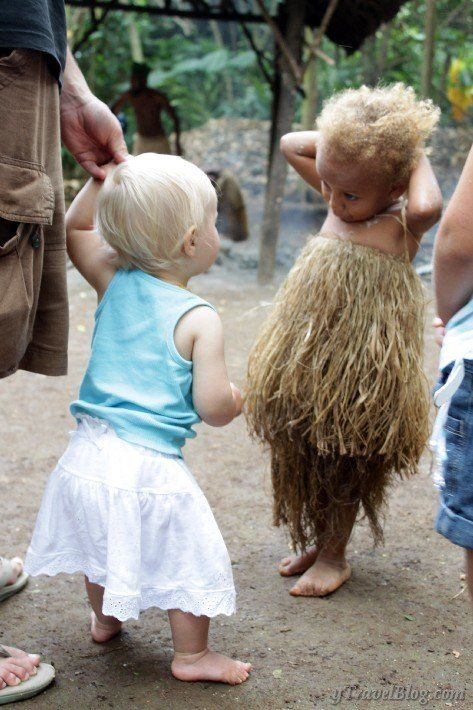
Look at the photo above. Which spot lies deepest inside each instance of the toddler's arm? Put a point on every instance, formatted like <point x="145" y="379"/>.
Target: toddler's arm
<point x="216" y="400"/>
<point x="453" y="250"/>
<point x="299" y="149"/>
<point x="424" y="200"/>
<point x="84" y="245"/>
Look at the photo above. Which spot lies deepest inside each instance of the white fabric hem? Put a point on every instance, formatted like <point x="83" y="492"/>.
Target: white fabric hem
<point x="211" y="602"/>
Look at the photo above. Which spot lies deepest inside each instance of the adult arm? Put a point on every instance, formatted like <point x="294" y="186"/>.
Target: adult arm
<point x="121" y="101"/>
<point x="453" y="249"/>
<point x="299" y="149"/>
<point x="89" y="129"/>
<point x="424" y="199"/>
<point x="169" y="108"/>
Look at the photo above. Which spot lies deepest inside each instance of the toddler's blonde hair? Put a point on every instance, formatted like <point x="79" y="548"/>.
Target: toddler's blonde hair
<point x="387" y="124"/>
<point x="146" y="206"/>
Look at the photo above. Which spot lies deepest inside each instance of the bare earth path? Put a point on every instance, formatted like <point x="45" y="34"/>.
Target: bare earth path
<point x="401" y="621"/>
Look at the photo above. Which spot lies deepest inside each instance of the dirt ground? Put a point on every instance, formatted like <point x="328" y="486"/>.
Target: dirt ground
<point x="401" y="627"/>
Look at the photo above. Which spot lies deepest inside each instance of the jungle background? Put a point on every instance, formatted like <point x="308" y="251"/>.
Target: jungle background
<point x="215" y="82"/>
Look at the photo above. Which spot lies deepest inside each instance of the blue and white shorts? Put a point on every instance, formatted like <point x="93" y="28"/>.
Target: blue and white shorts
<point x="455" y="515"/>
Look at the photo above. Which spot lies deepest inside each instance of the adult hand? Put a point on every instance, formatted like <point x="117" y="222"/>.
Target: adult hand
<point x="93" y="135"/>
<point x="439" y="330"/>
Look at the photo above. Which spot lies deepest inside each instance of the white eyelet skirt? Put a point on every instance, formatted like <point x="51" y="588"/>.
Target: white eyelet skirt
<point x="134" y="521"/>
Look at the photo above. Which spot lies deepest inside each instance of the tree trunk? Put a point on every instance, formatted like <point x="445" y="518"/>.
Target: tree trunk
<point x="284" y="102"/>
<point x="226" y="75"/>
<point x="385" y="39"/>
<point x="135" y="43"/>
<point x="429" y="42"/>
<point x="309" y="105"/>
<point x="368" y="56"/>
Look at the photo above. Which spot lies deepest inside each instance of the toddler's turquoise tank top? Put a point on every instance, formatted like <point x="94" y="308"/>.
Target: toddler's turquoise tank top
<point x="136" y="380"/>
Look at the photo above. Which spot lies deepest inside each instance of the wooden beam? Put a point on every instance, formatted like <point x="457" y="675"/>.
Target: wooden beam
<point x="168" y="11"/>
<point x="280" y="41"/>
<point x="284" y="104"/>
<point x="314" y="49"/>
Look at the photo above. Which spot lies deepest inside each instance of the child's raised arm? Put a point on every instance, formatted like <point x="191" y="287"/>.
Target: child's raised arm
<point x="216" y="400"/>
<point x="424" y="200"/>
<point x="299" y="149"/>
<point x="84" y="245"/>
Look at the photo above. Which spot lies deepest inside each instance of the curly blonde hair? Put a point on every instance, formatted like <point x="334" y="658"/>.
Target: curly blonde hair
<point x="386" y="124"/>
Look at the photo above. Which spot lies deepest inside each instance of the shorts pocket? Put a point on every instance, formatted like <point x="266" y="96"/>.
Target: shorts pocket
<point x="19" y="282"/>
<point x="13" y="66"/>
<point x="456" y="446"/>
<point x="26" y="192"/>
<point x="26" y="203"/>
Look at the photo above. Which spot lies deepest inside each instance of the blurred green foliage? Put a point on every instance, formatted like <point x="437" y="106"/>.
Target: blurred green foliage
<point x="209" y="70"/>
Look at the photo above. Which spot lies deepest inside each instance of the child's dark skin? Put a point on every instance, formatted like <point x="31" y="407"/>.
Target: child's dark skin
<point x="363" y="207"/>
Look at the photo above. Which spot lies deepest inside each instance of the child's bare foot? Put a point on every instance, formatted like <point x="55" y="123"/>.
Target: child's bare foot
<point x="101" y="633"/>
<point x="209" y="665"/>
<point x="325" y="576"/>
<point x="297" y="564"/>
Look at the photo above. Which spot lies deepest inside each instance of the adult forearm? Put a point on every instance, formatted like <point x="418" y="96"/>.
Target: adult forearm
<point x="453" y="278"/>
<point x="453" y="251"/>
<point x="75" y="91"/>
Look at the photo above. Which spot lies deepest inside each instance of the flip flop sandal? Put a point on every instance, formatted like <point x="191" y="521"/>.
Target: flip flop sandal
<point x="27" y="688"/>
<point x="8" y="590"/>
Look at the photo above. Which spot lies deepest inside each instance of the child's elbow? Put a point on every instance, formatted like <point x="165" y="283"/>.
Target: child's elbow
<point x="218" y="419"/>
<point x="218" y="416"/>
<point x="427" y="215"/>
<point x="285" y="143"/>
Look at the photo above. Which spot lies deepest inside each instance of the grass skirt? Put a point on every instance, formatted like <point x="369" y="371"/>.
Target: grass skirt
<point x="336" y="386"/>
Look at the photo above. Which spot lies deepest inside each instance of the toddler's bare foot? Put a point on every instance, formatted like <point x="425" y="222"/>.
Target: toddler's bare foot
<point x="322" y="578"/>
<point x="209" y="665"/>
<point x="297" y="564"/>
<point x="101" y="633"/>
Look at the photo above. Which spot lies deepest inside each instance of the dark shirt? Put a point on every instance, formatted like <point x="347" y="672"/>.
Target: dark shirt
<point x="36" y="24"/>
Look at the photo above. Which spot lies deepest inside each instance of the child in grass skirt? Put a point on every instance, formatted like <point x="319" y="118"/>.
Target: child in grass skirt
<point x="335" y="380"/>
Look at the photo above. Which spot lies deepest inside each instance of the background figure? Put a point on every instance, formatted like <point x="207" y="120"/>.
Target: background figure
<point x="232" y="217"/>
<point x="148" y="104"/>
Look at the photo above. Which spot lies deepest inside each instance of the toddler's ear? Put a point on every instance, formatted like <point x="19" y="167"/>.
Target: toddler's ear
<point x="188" y="243"/>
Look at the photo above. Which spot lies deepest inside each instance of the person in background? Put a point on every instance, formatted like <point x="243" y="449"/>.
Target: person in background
<point x="43" y="96"/>
<point x="148" y="105"/>
<point x="453" y="432"/>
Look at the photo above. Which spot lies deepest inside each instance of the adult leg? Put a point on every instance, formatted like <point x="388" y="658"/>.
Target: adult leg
<point x="469" y="572"/>
<point x="193" y="660"/>
<point x="103" y="628"/>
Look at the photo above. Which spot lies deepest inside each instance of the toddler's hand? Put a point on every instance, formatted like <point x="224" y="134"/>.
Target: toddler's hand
<point x="439" y="330"/>
<point x="238" y="399"/>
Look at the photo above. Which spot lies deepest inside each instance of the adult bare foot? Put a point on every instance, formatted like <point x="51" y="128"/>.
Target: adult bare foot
<point x="297" y="564"/>
<point x="322" y="578"/>
<point x="209" y="665"/>
<point x="101" y="633"/>
<point x="17" y="666"/>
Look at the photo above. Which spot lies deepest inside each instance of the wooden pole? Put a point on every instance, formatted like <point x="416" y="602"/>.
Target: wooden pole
<point x="309" y="105"/>
<point x="429" y="43"/>
<point x="284" y="101"/>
